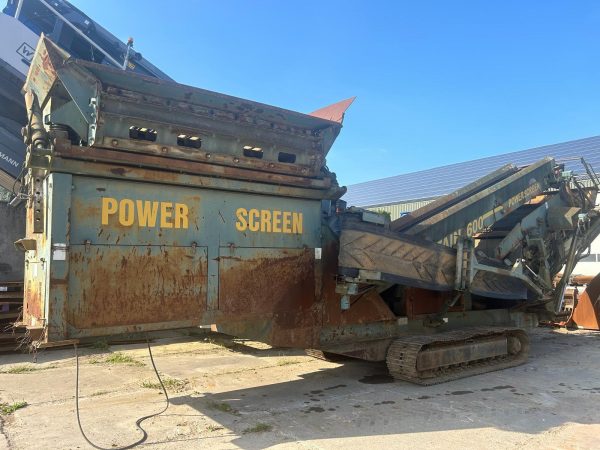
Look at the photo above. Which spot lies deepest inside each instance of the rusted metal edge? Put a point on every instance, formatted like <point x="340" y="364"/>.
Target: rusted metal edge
<point x="270" y="119"/>
<point x="107" y="170"/>
<point x="181" y="92"/>
<point x="63" y="343"/>
<point x="42" y="70"/>
<point x="334" y="112"/>
<point x="185" y="166"/>
<point x="76" y="333"/>
<point x="587" y="311"/>
<point x="215" y="158"/>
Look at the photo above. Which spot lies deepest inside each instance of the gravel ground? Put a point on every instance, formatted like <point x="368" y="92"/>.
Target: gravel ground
<point x="236" y="394"/>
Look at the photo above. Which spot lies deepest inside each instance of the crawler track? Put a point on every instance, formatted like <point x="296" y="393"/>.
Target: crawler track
<point x="403" y="357"/>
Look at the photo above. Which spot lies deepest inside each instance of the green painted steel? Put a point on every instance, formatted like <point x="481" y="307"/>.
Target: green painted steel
<point x="111" y="108"/>
<point x="105" y="250"/>
<point x="153" y="205"/>
<point x="210" y="218"/>
<point x="156" y="205"/>
<point x="485" y="208"/>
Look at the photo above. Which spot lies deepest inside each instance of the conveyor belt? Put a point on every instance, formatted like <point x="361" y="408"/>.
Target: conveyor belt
<point x="411" y="261"/>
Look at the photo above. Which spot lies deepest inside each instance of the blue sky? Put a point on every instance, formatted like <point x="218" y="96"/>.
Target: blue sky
<point x="437" y="82"/>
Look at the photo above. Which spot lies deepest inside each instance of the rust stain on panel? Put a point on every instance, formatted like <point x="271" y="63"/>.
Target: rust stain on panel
<point x="267" y="285"/>
<point x="419" y="302"/>
<point x="280" y="285"/>
<point x="185" y="166"/>
<point x="367" y="308"/>
<point x="32" y="301"/>
<point x="33" y="298"/>
<point x="135" y="285"/>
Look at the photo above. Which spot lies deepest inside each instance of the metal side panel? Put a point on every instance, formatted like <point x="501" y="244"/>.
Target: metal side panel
<point x="266" y="281"/>
<point x="56" y="240"/>
<point x="34" y="294"/>
<point x="40" y="307"/>
<point x="116" y="212"/>
<point x="112" y="286"/>
<point x="120" y="256"/>
<point x="268" y="294"/>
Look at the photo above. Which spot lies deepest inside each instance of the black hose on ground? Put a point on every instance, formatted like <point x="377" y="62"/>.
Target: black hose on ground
<point x="137" y="423"/>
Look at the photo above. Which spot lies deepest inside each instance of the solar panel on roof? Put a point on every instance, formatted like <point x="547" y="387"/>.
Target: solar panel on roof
<point x="442" y="180"/>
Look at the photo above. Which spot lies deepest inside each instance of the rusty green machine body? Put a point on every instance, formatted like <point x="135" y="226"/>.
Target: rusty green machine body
<point x="153" y="205"/>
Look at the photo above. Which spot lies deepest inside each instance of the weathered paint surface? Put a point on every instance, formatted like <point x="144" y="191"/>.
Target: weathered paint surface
<point x="145" y="256"/>
<point x="143" y="231"/>
<point x="112" y="286"/>
<point x="211" y="217"/>
<point x="263" y="281"/>
<point x="276" y="283"/>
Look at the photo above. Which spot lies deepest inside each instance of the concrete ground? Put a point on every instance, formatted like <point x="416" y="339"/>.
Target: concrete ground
<point x="234" y="394"/>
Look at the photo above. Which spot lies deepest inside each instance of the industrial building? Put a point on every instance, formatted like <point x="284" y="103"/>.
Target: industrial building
<point x="401" y="194"/>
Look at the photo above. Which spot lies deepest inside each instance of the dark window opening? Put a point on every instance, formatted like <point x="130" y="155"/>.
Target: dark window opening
<point x="286" y="157"/>
<point x="253" y="152"/>
<point x="185" y="140"/>
<point x="142" y="134"/>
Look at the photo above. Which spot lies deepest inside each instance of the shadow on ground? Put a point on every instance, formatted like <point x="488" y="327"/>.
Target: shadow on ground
<point x="559" y="384"/>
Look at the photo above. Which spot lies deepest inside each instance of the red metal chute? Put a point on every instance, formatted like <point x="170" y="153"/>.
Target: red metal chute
<point x="334" y="112"/>
<point x="587" y="311"/>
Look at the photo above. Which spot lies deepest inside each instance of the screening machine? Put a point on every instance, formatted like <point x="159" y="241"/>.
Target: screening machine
<point x="154" y="205"/>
